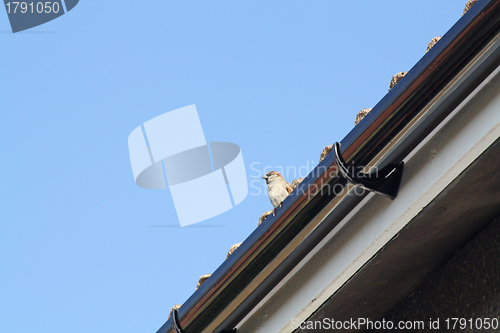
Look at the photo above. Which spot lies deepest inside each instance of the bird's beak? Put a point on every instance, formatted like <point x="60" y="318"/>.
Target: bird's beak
<point x="265" y="177"/>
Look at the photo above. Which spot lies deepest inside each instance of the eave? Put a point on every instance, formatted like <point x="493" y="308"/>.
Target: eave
<point x="393" y="129"/>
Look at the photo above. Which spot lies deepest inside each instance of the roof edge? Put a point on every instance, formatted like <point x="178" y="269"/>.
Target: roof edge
<point x="208" y="306"/>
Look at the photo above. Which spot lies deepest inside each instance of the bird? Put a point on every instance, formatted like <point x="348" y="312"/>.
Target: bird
<point x="277" y="188"/>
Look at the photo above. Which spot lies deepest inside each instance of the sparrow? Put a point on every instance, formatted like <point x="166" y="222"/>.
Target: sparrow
<point x="277" y="188"/>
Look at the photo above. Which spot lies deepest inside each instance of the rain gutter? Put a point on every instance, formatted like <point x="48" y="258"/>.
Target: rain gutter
<point x="394" y="127"/>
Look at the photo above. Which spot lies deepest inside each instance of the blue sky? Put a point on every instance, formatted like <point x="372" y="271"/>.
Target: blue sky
<point x="82" y="248"/>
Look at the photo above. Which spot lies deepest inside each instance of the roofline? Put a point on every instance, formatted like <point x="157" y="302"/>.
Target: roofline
<point x="312" y="288"/>
<point x="260" y="262"/>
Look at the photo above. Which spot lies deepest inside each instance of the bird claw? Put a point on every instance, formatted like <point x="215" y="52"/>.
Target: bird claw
<point x="274" y="212"/>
